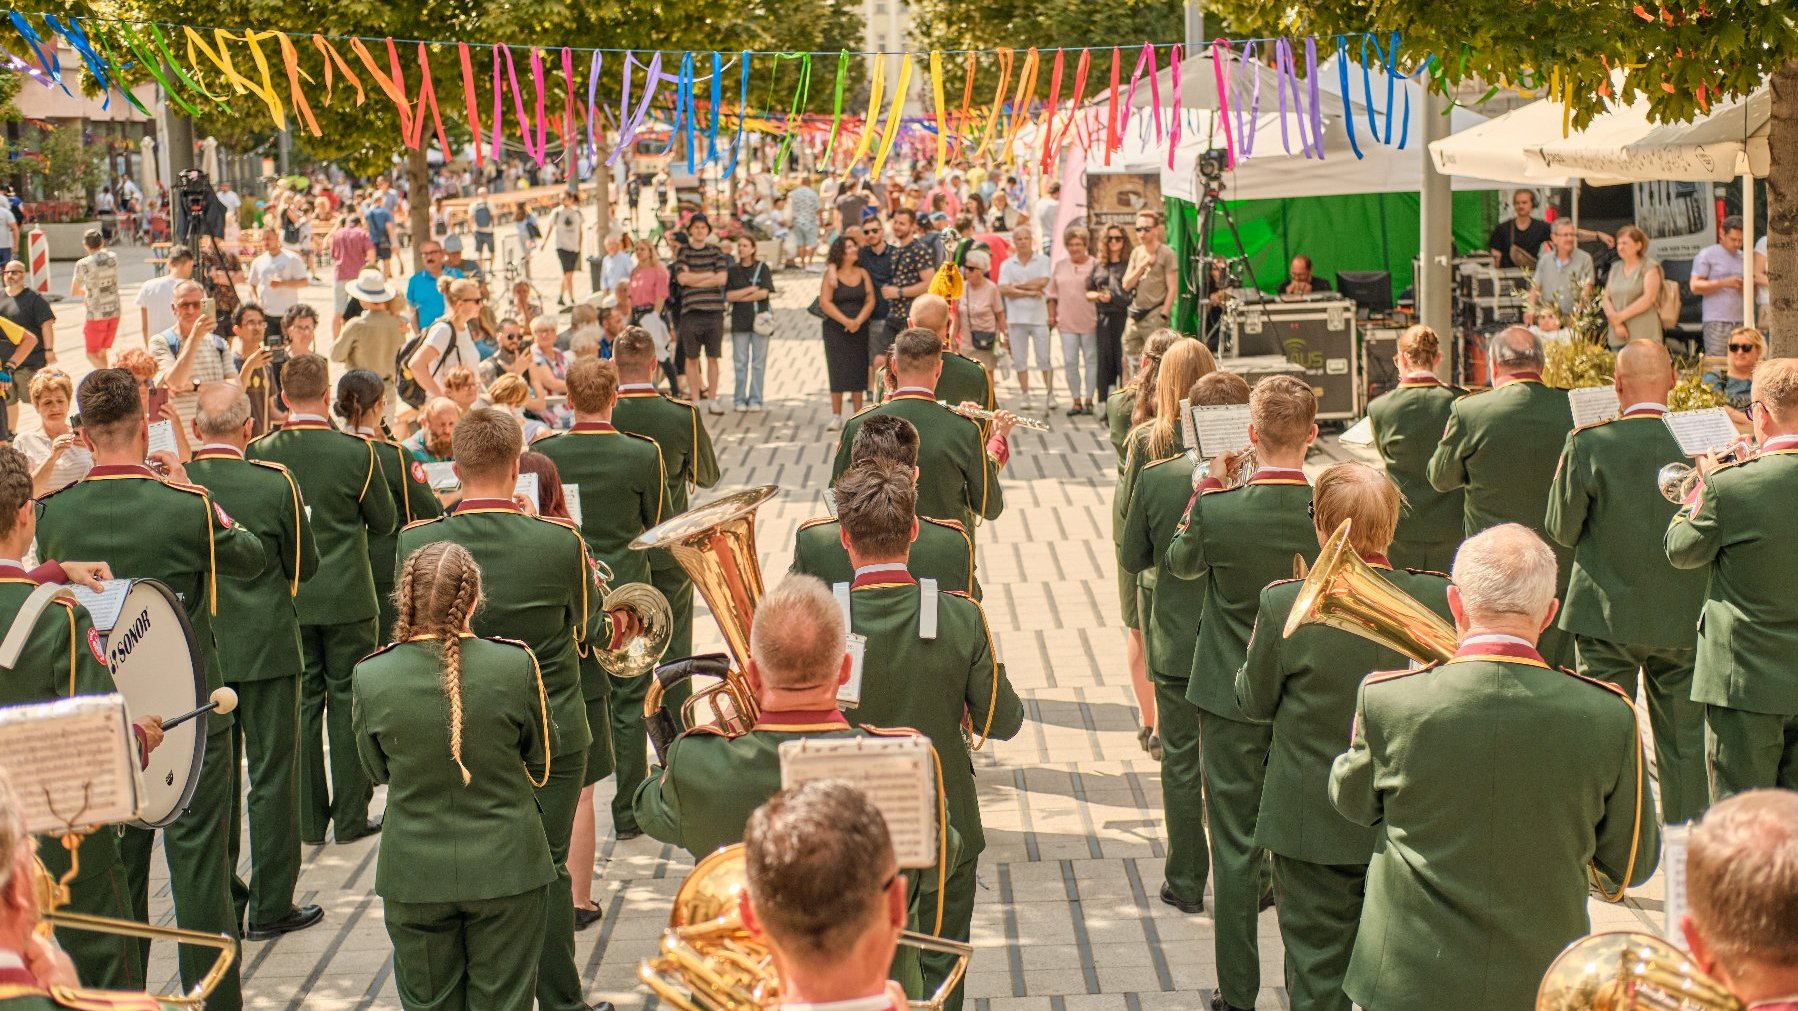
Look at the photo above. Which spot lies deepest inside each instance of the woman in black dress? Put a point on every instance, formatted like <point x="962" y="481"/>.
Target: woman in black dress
<point x="846" y="302"/>
<point x="1105" y="289"/>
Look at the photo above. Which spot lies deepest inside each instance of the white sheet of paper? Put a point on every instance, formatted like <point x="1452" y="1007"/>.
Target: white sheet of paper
<point x="896" y="774"/>
<point x="103" y="606"/>
<point x="1222" y="428"/>
<point x="162" y="437"/>
<point x="849" y="693"/>
<point x="1673" y="868"/>
<point x="1698" y="432"/>
<point x="830" y="501"/>
<point x="441" y="476"/>
<point x="72" y="762"/>
<point x="527" y="486"/>
<point x="1359" y="434"/>
<point x="1188" y="434"/>
<point x="1594" y="403"/>
<point x="571" y="494"/>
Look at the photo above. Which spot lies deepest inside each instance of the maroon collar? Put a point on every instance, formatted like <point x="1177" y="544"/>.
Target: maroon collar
<point x="1491" y="649"/>
<point x="1779" y="442"/>
<point x="1269" y="474"/>
<point x="19" y="976"/>
<point x="123" y="470"/>
<point x="297" y="425"/>
<point x="1419" y="379"/>
<point x="593" y="426"/>
<point x="14" y="572"/>
<point x="218" y="453"/>
<point x="884" y="577"/>
<point x="1645" y="412"/>
<point x="471" y="504"/>
<point x="1380" y="561"/>
<point x="778" y="719"/>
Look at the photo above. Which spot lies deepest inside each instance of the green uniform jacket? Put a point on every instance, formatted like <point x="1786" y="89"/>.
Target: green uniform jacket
<point x="1492" y="782"/>
<point x="61" y="659"/>
<point x="540" y="588"/>
<point x="943" y="552"/>
<point x="259" y="631"/>
<point x="687" y="458"/>
<point x="964" y="378"/>
<point x="446" y="840"/>
<point x="622" y="487"/>
<point x="1239" y="540"/>
<point x="703" y="796"/>
<point x="965" y="679"/>
<point x="413" y="500"/>
<point x="1605" y="506"/>
<point x="347" y="500"/>
<point x="1408" y="423"/>
<point x="1157" y="503"/>
<point x="957" y="480"/>
<point x="1305" y="686"/>
<point x="1118" y="409"/>
<point x="148" y="528"/>
<point x="1498" y="445"/>
<point x="1748" y="630"/>
<point x="1137" y="455"/>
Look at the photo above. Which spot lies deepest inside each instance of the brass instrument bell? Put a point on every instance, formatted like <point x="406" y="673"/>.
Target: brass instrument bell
<point x="1629" y="971"/>
<point x="1344" y="592"/>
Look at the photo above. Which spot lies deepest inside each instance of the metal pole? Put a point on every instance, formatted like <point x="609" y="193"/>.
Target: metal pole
<point x="1195" y="27"/>
<point x="1748" y="305"/>
<point x="1435" y="222"/>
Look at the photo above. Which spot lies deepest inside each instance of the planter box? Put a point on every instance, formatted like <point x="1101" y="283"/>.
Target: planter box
<point x="64" y="237"/>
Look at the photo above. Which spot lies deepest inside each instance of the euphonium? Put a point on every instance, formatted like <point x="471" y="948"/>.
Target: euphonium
<point x="52" y="894"/>
<point x="1628" y="971"/>
<point x="638" y="654"/>
<point x="1344" y="592"/>
<point x="710" y="962"/>
<point x="715" y="544"/>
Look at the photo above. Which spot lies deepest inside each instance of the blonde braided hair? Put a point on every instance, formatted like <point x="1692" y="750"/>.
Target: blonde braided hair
<point x="438" y="590"/>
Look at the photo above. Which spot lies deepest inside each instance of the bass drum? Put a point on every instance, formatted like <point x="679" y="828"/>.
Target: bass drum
<point x="159" y="670"/>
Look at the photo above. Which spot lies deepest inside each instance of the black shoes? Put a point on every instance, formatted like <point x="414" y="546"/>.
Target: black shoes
<point x="373" y="827"/>
<point x="1267" y="901"/>
<point x="627" y="834"/>
<point x="1218" y="1003"/>
<point x="298" y="918"/>
<point x="584" y="917"/>
<point x="1190" y="908"/>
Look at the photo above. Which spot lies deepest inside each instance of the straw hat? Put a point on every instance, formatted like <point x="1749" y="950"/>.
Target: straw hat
<point x="370" y="287"/>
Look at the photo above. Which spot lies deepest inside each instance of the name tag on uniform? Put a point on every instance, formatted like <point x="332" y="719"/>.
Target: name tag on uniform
<point x="849" y="693"/>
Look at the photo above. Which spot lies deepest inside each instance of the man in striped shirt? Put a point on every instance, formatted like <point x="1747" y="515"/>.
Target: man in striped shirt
<point x="702" y="268"/>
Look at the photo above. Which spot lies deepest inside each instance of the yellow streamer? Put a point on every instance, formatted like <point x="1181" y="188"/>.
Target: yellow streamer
<point x="296" y="74"/>
<point x="331" y="57"/>
<point x="893" y="115"/>
<point x="1020" y="103"/>
<point x="992" y="116"/>
<point x="220" y="59"/>
<point x="936" y="93"/>
<point x="876" y="88"/>
<point x="267" y="92"/>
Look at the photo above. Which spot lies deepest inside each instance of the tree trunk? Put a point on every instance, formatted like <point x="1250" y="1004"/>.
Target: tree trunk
<point x="418" y="198"/>
<point x="1782" y="213"/>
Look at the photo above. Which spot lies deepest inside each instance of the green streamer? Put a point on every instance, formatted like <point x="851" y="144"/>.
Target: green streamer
<point x="162" y="47"/>
<point x="800" y="94"/>
<point x="100" y="34"/>
<point x="836" y="112"/>
<point x="155" y="66"/>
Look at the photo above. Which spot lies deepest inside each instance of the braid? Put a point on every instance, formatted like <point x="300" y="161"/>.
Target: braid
<point x="405" y="619"/>
<point x="439" y="587"/>
<point x="468" y="589"/>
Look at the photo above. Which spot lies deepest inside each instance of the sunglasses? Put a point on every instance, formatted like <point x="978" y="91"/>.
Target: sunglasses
<point x="1114" y="238"/>
<point x="476" y="301"/>
<point x="1743" y="348"/>
<point x="1144" y="228"/>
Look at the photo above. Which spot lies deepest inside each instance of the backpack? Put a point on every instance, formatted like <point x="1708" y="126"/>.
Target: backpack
<point x="1668" y="304"/>
<point x="405" y="383"/>
<point x="290" y="232"/>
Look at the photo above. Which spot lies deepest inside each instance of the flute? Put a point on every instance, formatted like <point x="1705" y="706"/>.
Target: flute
<point x="980" y="414"/>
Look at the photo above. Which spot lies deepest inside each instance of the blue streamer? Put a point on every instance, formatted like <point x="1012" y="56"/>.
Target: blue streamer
<point x="1348" y="120"/>
<point x="736" y="146"/>
<point x="51" y="64"/>
<point x="78" y="41"/>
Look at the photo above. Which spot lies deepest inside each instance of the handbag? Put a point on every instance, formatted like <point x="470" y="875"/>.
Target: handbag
<point x="816" y="309"/>
<point x="983" y="339"/>
<point x="1667" y="305"/>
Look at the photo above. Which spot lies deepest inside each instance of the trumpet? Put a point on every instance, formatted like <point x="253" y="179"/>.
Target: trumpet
<point x="637" y="655"/>
<point x="981" y="414"/>
<point x="1676" y="480"/>
<point x="1246" y="465"/>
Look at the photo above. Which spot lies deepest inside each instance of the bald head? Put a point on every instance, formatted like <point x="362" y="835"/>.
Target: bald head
<point x="1644" y="373"/>
<point x="1513" y="350"/>
<point x="796" y="641"/>
<point x="223" y="415"/>
<point x="930" y="312"/>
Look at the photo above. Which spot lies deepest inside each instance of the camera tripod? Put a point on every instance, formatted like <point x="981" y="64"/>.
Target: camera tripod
<point x="1211" y="207"/>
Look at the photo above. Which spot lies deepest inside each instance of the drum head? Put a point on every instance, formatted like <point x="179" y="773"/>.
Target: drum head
<point x="159" y="671"/>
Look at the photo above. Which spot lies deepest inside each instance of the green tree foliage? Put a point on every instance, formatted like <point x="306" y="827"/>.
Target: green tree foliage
<point x="1045" y="24"/>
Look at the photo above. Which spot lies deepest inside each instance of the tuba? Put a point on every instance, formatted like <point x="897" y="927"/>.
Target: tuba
<point x="637" y="655"/>
<point x="715" y="544"/>
<point x="708" y="961"/>
<point x="1344" y="592"/>
<point x="1627" y="971"/>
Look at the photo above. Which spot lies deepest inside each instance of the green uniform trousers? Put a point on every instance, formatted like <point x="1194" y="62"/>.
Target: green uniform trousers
<point x="1182" y="789"/>
<point x="600" y="760"/>
<point x="1320" y="910"/>
<point x="958" y="923"/>
<point x="1678" y="722"/>
<point x="267" y="731"/>
<point x="558" y="980"/>
<point x="331" y="652"/>
<point x="467" y="956"/>
<point x="102" y="961"/>
<point x="199" y="872"/>
<point x="1234" y="757"/>
<point x="1431" y="556"/>
<point x="630" y="744"/>
<point x="1750" y="750"/>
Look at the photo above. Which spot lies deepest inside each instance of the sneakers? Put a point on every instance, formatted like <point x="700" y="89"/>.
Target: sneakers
<point x="836" y="423"/>
<point x="1050" y="405"/>
<point x="741" y="408"/>
<point x="712" y="406"/>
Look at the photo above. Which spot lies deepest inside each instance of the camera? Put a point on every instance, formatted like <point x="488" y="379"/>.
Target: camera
<point x="197" y="206"/>
<point x="1212" y="165"/>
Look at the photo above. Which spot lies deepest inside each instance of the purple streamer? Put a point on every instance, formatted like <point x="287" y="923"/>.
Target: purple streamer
<point x="1246" y="121"/>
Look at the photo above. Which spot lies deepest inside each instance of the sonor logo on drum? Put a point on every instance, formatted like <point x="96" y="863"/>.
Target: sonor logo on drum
<point x="126" y="638"/>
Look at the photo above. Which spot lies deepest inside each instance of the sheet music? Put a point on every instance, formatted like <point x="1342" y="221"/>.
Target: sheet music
<point x="1358" y="434"/>
<point x="896" y="773"/>
<point x="1223" y="428"/>
<point x="103" y="606"/>
<point x="1698" y="432"/>
<point x="71" y="762"/>
<point x="849" y="693"/>
<point x="527" y="486"/>
<point x="1188" y="434"/>
<point x="571" y="493"/>
<point x="1673" y="868"/>
<point x="830" y="501"/>
<point x="162" y="437"/>
<point x="441" y="476"/>
<point x="1594" y="403"/>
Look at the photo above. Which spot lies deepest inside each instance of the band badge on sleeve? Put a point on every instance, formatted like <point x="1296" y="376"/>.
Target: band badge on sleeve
<point x="224" y="519"/>
<point x="418" y="473"/>
<point x="97" y="646"/>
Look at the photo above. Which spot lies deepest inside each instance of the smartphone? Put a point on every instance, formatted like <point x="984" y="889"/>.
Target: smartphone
<point x="153" y="403"/>
<point x="209" y="307"/>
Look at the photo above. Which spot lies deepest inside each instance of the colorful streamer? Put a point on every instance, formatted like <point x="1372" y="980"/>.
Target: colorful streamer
<point x="893" y="116"/>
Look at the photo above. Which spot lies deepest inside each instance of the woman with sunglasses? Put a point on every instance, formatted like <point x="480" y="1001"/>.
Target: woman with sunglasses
<point x="450" y="341"/>
<point x="1736" y="380"/>
<point x="1105" y="290"/>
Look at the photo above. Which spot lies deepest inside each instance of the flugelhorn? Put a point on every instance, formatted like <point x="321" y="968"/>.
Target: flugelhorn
<point x="1629" y="971"/>
<point x="982" y="414"/>
<point x="1676" y="480"/>
<point x="1344" y="592"/>
<point x="715" y="544"/>
<point x="1247" y="462"/>
<point x="709" y="961"/>
<point x="638" y="654"/>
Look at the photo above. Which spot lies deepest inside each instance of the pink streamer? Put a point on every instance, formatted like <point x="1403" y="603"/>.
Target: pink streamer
<point x="524" y="125"/>
<point x="1146" y="57"/>
<point x="1220" y="48"/>
<point x="1173" y="140"/>
<point x="542" y="152"/>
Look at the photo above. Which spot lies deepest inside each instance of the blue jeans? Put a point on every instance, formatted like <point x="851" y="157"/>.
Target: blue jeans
<point x="745" y="344"/>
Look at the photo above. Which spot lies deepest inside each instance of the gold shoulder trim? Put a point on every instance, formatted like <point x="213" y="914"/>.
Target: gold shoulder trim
<point x="1380" y="677"/>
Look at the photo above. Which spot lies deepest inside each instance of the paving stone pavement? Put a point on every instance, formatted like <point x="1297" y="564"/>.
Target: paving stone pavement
<point x="1067" y="917"/>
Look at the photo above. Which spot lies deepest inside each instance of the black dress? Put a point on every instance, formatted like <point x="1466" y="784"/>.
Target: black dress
<point x="845" y="353"/>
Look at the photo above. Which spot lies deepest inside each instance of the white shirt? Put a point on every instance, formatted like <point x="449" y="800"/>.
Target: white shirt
<point x="879" y="1002"/>
<point x="465" y="353"/>
<point x="1763" y="295"/>
<point x="230" y="199"/>
<point x="283" y="266"/>
<point x="568" y="228"/>
<point x="615" y="269"/>
<point x="1033" y="310"/>
<point x="157" y="299"/>
<point x="72" y="466"/>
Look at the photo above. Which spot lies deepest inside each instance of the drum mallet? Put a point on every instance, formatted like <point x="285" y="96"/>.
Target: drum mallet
<point x="222" y="699"/>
